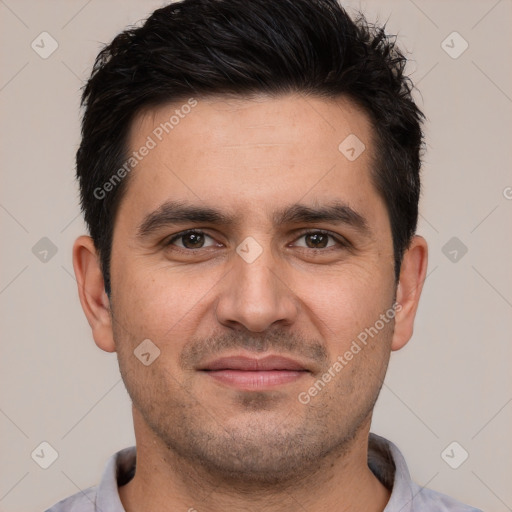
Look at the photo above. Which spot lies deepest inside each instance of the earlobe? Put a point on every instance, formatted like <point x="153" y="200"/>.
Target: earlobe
<point x="412" y="275"/>
<point x="91" y="290"/>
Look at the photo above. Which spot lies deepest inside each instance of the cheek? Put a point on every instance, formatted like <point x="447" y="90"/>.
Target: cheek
<point x="160" y="302"/>
<point x="342" y="306"/>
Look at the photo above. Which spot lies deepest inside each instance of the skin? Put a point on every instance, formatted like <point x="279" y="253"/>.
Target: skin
<point x="202" y="444"/>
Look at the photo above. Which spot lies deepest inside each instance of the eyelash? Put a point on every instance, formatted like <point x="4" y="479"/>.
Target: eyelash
<point x="341" y="242"/>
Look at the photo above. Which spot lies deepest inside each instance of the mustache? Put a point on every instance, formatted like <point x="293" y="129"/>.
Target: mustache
<point x="279" y="341"/>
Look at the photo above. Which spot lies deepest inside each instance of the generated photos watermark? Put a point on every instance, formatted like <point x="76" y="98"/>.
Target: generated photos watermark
<point x="355" y="348"/>
<point x="152" y="140"/>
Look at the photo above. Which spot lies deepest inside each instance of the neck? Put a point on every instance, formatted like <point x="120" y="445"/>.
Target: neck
<point x="167" y="482"/>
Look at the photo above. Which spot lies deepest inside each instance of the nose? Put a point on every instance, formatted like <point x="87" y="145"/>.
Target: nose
<point x="255" y="295"/>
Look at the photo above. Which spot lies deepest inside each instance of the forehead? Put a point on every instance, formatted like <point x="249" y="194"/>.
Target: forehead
<point x="249" y="155"/>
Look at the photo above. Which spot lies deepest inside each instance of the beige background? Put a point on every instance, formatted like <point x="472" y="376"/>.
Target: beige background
<point x="451" y="383"/>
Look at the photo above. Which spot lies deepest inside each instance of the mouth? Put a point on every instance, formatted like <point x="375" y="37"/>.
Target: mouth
<point x="250" y="373"/>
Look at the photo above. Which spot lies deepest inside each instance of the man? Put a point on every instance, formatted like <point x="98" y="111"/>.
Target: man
<point x="249" y="173"/>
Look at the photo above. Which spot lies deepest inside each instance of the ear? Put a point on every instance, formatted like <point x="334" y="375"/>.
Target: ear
<point x="91" y="290"/>
<point x="412" y="275"/>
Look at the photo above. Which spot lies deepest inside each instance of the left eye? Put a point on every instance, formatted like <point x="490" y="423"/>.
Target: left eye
<point x="190" y="240"/>
<point x="318" y="240"/>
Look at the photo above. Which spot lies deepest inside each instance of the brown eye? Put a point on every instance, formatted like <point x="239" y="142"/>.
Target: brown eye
<point x="193" y="240"/>
<point x="190" y="240"/>
<point x="316" y="240"/>
<point x="319" y="240"/>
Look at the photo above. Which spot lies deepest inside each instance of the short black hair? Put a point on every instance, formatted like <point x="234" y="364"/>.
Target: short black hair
<point x="195" y="48"/>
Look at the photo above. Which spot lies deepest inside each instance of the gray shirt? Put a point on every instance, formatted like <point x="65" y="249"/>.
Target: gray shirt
<point x="384" y="459"/>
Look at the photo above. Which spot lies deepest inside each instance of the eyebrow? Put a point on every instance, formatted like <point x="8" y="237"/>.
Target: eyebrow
<point x="335" y="212"/>
<point x="180" y="212"/>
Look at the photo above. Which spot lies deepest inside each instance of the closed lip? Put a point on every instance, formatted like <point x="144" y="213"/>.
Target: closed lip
<point x="246" y="363"/>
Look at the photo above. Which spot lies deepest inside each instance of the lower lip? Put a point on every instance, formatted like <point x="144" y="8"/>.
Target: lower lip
<point x="255" y="380"/>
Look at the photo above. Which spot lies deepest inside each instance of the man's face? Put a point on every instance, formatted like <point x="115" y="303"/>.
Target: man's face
<point x="263" y="284"/>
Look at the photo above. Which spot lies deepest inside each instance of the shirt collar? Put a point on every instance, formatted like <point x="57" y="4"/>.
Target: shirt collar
<point x="119" y="470"/>
<point x="389" y="466"/>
